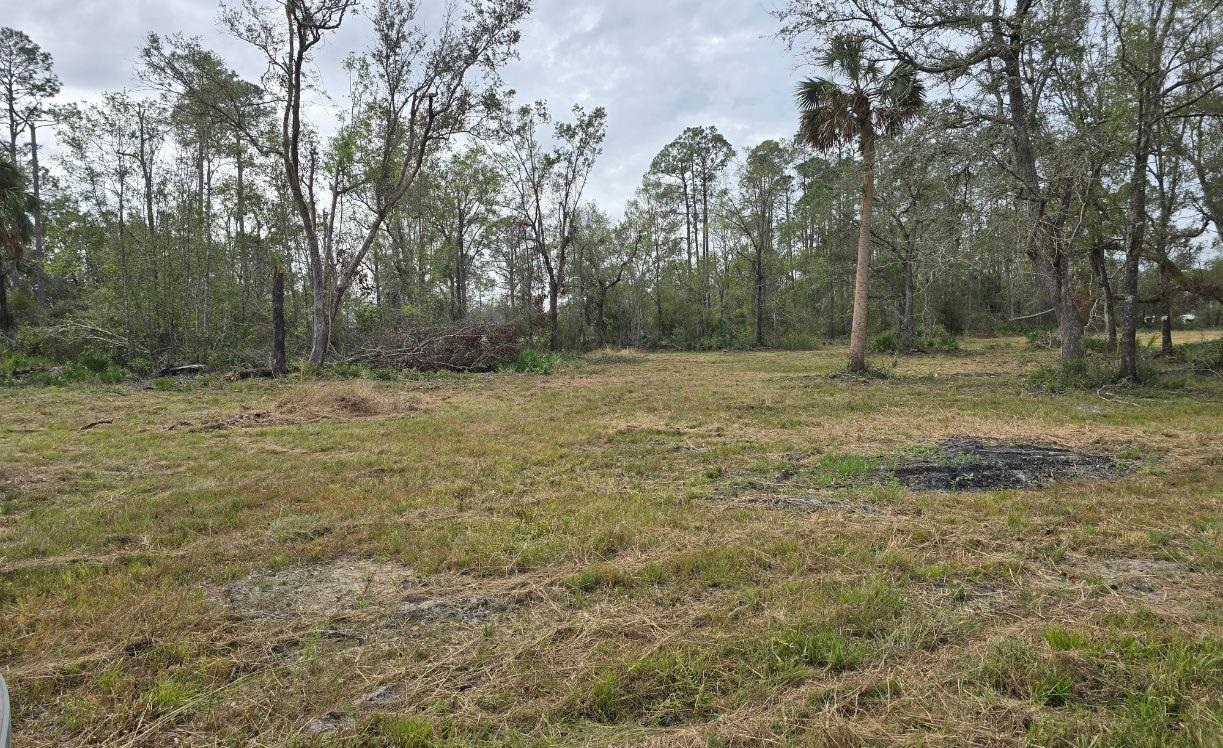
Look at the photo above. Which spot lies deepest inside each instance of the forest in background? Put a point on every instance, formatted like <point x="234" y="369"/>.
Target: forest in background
<point x="171" y="215"/>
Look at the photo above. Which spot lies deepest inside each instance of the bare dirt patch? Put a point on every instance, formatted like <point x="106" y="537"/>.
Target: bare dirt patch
<point x="1136" y="577"/>
<point x="967" y="464"/>
<point x="808" y="502"/>
<point x="351" y="588"/>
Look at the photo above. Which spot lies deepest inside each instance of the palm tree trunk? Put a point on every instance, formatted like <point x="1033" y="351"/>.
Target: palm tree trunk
<point x="6" y="318"/>
<point x="857" y="335"/>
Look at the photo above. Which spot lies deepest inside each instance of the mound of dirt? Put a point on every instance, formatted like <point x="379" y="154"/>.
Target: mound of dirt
<point x="336" y="400"/>
<point x="976" y="465"/>
<point x="357" y="588"/>
<point x="309" y="403"/>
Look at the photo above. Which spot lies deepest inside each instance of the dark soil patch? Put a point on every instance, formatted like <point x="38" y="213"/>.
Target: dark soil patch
<point x="976" y="465"/>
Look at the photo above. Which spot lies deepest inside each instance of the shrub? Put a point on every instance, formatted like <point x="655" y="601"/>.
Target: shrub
<point x="796" y="341"/>
<point x="888" y="342"/>
<point x="1088" y="374"/>
<point x="1039" y="338"/>
<point x="20" y="368"/>
<point x="531" y="361"/>
<point x="929" y="341"/>
<point x="1095" y="344"/>
<point x="939" y="342"/>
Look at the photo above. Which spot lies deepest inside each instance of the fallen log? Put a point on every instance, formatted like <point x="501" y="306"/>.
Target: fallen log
<point x="238" y="375"/>
<point x="182" y="370"/>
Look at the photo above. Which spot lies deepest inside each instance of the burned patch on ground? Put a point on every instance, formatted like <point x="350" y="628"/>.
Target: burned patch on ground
<point x="977" y="465"/>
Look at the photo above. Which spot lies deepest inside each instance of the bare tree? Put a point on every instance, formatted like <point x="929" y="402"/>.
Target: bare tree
<point x="1170" y="53"/>
<point x="415" y="91"/>
<point x="546" y="185"/>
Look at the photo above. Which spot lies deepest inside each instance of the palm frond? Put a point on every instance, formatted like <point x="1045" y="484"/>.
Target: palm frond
<point x="846" y="55"/>
<point x="16" y="205"/>
<point x="900" y="96"/>
<point x="827" y="113"/>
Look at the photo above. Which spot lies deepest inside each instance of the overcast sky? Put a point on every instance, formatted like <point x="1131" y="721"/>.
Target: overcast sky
<point x="658" y="66"/>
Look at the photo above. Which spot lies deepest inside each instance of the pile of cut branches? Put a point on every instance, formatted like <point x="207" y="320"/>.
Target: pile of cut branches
<point x="461" y="346"/>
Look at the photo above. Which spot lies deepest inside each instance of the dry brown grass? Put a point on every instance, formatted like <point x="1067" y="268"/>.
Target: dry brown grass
<point x="316" y="401"/>
<point x="578" y="560"/>
<point x="337" y="400"/>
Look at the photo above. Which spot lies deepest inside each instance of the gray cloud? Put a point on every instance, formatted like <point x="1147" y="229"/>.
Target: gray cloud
<point x="658" y="66"/>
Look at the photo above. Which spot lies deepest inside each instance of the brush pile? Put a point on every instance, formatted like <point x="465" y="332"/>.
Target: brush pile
<point x="462" y="346"/>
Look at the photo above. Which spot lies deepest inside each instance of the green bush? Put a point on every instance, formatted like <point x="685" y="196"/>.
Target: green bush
<point x="1038" y="338"/>
<point x="531" y="361"/>
<point x="796" y="341"/>
<point x="20" y="368"/>
<point x="938" y="342"/>
<point x="928" y="341"/>
<point x="1088" y="374"/>
<point x="888" y="342"/>
<point x="1095" y="344"/>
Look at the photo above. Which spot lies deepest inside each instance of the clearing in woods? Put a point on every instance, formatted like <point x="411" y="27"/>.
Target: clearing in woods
<point x="663" y="549"/>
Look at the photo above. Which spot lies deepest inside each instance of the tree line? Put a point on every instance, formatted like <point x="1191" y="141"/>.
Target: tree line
<point x="955" y="168"/>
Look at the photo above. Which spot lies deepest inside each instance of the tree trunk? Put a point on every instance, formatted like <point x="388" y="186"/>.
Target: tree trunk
<point x="460" y="271"/>
<point x="1099" y="266"/>
<point x="832" y="307"/>
<point x="6" y="317"/>
<point x="12" y="129"/>
<point x="602" y="304"/>
<point x="760" y="291"/>
<point x="320" y="333"/>
<point x="857" y="336"/>
<point x="908" y="338"/>
<point x="40" y="244"/>
<point x="554" y="328"/>
<point x="1135" y="239"/>
<point x="1165" y="307"/>
<point x="279" y="360"/>
<point x="123" y="269"/>
<point x="1069" y="321"/>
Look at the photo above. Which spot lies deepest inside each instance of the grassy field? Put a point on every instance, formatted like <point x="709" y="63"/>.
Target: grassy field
<point x="604" y="556"/>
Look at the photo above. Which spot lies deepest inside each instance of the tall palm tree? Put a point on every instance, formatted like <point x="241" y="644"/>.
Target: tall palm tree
<point x="857" y="103"/>
<point x="16" y="205"/>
